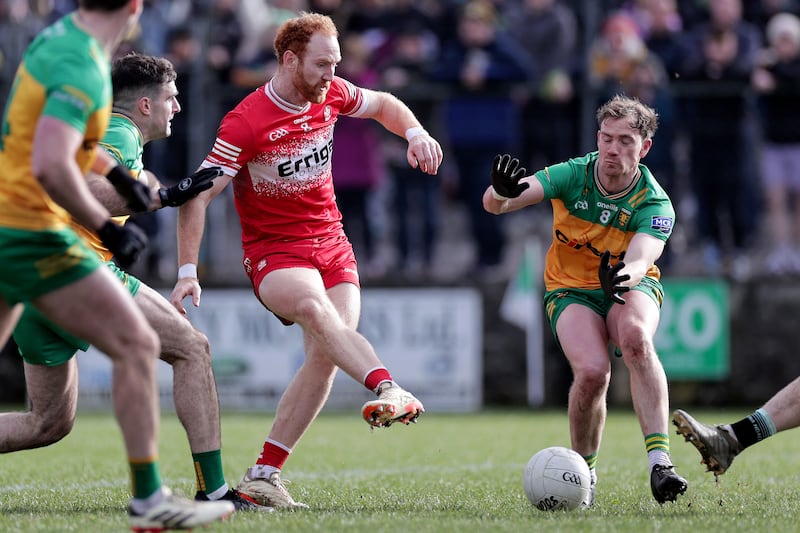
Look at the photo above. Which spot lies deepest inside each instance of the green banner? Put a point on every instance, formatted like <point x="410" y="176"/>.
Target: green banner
<point x="693" y="337"/>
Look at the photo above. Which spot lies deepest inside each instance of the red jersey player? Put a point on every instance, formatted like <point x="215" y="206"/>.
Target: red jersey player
<point x="276" y="147"/>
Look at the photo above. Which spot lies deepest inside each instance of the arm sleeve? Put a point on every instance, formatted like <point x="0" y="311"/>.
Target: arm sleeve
<point x="73" y="98"/>
<point x="657" y="218"/>
<point x="555" y="179"/>
<point x="234" y="145"/>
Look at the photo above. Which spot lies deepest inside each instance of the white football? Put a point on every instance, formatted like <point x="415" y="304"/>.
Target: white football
<point x="557" y="478"/>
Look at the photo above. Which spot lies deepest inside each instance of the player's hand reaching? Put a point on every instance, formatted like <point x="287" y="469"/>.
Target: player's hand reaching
<point x="125" y="242"/>
<point x="135" y="192"/>
<point x="424" y="152"/>
<point x="506" y="176"/>
<point x="185" y="287"/>
<point x="610" y="281"/>
<point x="188" y="188"/>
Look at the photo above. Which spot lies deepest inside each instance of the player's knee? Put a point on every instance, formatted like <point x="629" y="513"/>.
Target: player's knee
<point x="636" y="346"/>
<point x="312" y="314"/>
<point x="193" y="347"/>
<point x="139" y="347"/>
<point x="54" y="426"/>
<point x="149" y="341"/>
<point x="593" y="379"/>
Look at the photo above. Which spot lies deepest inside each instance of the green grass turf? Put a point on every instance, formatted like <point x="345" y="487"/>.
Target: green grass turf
<point x="447" y="473"/>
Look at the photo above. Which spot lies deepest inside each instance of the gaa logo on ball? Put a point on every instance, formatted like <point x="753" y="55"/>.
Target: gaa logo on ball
<point x="557" y="478"/>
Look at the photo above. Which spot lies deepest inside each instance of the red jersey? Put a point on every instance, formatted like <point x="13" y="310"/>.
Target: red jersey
<point x="279" y="155"/>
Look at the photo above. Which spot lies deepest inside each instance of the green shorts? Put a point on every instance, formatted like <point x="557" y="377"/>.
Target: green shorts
<point x="41" y="342"/>
<point x="557" y="300"/>
<point x="33" y="263"/>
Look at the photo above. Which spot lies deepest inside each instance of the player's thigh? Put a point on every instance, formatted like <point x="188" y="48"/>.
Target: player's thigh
<point x="98" y="309"/>
<point x="583" y="338"/>
<point x="53" y="390"/>
<point x="179" y="339"/>
<point x="638" y="318"/>
<point x="294" y="293"/>
<point x="9" y="315"/>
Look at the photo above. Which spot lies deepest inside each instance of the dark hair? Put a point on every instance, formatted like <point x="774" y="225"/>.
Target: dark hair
<point x="295" y="33"/>
<point x="137" y="75"/>
<point x="641" y="117"/>
<point x="102" y="5"/>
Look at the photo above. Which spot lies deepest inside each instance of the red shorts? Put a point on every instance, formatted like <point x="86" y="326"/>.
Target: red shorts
<point x="332" y="257"/>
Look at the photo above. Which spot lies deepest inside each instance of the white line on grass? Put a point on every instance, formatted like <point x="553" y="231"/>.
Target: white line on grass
<point x="338" y="474"/>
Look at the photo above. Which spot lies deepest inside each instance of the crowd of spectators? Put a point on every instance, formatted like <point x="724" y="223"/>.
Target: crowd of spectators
<point x="519" y="76"/>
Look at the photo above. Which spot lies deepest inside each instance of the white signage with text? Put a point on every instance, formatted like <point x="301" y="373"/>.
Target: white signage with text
<point x="429" y="339"/>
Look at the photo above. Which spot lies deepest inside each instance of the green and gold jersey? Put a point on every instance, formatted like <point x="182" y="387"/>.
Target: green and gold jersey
<point x="64" y="74"/>
<point x="124" y="142"/>
<point x="587" y="220"/>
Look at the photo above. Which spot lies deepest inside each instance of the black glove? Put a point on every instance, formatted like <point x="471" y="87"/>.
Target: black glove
<point x="189" y="187"/>
<point x="506" y="174"/>
<point x="125" y="242"/>
<point x="609" y="280"/>
<point x="135" y="192"/>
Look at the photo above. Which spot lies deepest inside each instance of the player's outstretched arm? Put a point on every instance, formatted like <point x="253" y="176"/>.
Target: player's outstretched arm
<point x="161" y="196"/>
<point x="188" y="187"/>
<point x="643" y="251"/>
<point x="109" y="179"/>
<point x="510" y="189"/>
<point x="191" y="225"/>
<point x="506" y="178"/>
<point x="137" y="194"/>
<point x="106" y="194"/>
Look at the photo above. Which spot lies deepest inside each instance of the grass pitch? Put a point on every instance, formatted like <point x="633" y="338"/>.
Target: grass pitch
<point x="448" y="473"/>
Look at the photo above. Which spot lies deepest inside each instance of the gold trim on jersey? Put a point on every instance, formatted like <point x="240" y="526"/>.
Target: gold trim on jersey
<point x="620" y="194"/>
<point x="637" y="198"/>
<point x="80" y="95"/>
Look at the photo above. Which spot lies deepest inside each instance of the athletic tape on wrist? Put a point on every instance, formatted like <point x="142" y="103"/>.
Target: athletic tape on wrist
<point x="414" y="131"/>
<point x="189" y="270"/>
<point x="498" y="197"/>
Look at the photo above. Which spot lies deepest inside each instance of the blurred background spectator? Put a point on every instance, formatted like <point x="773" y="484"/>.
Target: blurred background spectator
<point x="338" y="10"/>
<point x="776" y="80"/>
<point x="721" y="52"/>
<point x="761" y="11"/>
<point x="489" y="76"/>
<point x="620" y="61"/>
<point x="359" y="166"/>
<point x="18" y="25"/>
<point x="547" y="30"/>
<point x="661" y="27"/>
<point x="481" y="63"/>
<point x="415" y="196"/>
<point x="224" y="37"/>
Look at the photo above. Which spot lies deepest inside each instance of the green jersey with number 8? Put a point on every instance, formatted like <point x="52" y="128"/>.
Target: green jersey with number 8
<point x="587" y="220"/>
